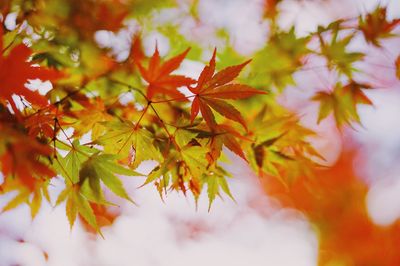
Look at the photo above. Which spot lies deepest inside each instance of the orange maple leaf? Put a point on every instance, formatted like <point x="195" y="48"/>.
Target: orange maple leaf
<point x="16" y="70"/>
<point x="225" y="135"/>
<point x="21" y="159"/>
<point x="211" y="88"/>
<point x="45" y="123"/>
<point x="376" y="26"/>
<point x="104" y="217"/>
<point x="136" y="53"/>
<point x="159" y="77"/>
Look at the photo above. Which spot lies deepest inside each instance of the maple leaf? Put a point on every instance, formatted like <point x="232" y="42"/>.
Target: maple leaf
<point x="70" y="165"/>
<point x="285" y="53"/>
<point x="342" y="101"/>
<point x="127" y="140"/>
<point x="211" y="88"/>
<point x="222" y="135"/>
<point x="16" y="70"/>
<point x="179" y="167"/>
<point x="375" y="26"/>
<point x="85" y="170"/>
<point x="336" y="52"/>
<point x="397" y="65"/>
<point x="24" y="168"/>
<point x="25" y="195"/>
<point x="281" y="146"/>
<point x="159" y="78"/>
<point x="189" y="165"/>
<point x="136" y="53"/>
<point x="45" y="122"/>
<point x="103" y="217"/>
<point x="21" y="158"/>
<point x="214" y="184"/>
<point x="101" y="167"/>
<point x="76" y="203"/>
<point x="90" y="118"/>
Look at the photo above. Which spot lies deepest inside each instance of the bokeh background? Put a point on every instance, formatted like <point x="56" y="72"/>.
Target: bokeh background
<point x="257" y="229"/>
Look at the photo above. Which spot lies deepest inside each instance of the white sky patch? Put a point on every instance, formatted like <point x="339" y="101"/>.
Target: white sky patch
<point x="158" y="233"/>
<point x="383" y="200"/>
<point x="10" y="21"/>
<point x="242" y="19"/>
<point x="119" y="42"/>
<point x="156" y="39"/>
<point x="37" y="85"/>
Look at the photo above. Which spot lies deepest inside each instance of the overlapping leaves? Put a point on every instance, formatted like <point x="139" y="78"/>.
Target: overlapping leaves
<point x="212" y="89"/>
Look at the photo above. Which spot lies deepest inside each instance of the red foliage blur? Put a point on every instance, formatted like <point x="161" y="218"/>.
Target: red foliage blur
<point x="334" y="201"/>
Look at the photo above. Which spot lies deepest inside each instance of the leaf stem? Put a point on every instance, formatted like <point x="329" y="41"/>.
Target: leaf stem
<point x="171" y="138"/>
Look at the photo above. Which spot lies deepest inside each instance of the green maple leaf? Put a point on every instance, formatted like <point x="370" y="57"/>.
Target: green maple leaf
<point x="342" y="102"/>
<point x="336" y="51"/>
<point x="127" y="140"/>
<point x="102" y="167"/>
<point x="214" y="185"/>
<point x="76" y="203"/>
<point x="70" y="165"/>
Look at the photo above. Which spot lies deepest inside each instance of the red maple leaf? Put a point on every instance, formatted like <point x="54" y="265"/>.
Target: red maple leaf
<point x="16" y="70"/>
<point x="136" y="53"/>
<point x="225" y="135"/>
<point x="21" y="159"/>
<point x="159" y="77"/>
<point x="376" y="26"/>
<point x="211" y="88"/>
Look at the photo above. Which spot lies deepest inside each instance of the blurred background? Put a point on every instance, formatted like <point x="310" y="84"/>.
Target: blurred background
<point x="349" y="218"/>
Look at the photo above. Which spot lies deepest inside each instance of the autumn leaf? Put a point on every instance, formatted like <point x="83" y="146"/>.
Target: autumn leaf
<point x="101" y="167"/>
<point x="15" y="72"/>
<point x="159" y="171"/>
<point x="70" y="165"/>
<point x="342" y="101"/>
<point x="375" y="26"/>
<point x="45" y="123"/>
<point x="159" y="78"/>
<point x="136" y="54"/>
<point x="285" y="54"/>
<point x="90" y="169"/>
<point x="336" y="51"/>
<point x="77" y="203"/>
<point x="328" y="104"/>
<point x="225" y="135"/>
<point x="397" y="65"/>
<point x="23" y="158"/>
<point x="24" y="194"/>
<point x="127" y="140"/>
<point x="104" y="217"/>
<point x="211" y="88"/>
<point x="189" y="168"/>
<point x="89" y="118"/>
<point x="214" y="185"/>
